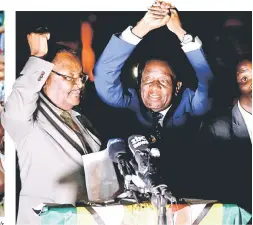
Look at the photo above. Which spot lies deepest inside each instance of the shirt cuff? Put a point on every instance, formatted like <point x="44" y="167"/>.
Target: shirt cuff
<point x="191" y="46"/>
<point x="128" y="36"/>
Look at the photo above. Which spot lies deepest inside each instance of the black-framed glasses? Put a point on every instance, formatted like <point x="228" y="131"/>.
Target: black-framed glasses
<point x="83" y="78"/>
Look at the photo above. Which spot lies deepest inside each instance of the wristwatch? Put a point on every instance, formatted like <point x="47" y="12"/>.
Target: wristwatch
<point x="187" y="38"/>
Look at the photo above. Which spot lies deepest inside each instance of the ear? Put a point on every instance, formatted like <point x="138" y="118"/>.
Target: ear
<point x="178" y="86"/>
<point x="46" y="83"/>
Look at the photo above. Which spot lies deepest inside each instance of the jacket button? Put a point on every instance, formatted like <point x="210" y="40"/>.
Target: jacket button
<point x="41" y="76"/>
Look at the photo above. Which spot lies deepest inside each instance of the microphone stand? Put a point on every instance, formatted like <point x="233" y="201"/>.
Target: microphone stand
<point x="162" y="216"/>
<point x="160" y="197"/>
<point x="160" y="202"/>
<point x="127" y="171"/>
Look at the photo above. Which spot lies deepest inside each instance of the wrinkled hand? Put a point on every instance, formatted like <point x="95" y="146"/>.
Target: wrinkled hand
<point x="174" y="23"/>
<point x="38" y="44"/>
<point x="156" y="16"/>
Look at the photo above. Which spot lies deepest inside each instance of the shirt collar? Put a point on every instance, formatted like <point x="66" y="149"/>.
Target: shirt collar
<point x="163" y="112"/>
<point x="56" y="109"/>
<point x="243" y="111"/>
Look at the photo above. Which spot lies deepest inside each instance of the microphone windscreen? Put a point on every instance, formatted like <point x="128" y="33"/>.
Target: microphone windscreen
<point x="115" y="147"/>
<point x="138" y="143"/>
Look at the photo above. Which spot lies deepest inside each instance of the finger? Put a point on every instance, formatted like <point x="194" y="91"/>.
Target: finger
<point x="166" y="19"/>
<point x="157" y="8"/>
<point x="165" y="5"/>
<point x="153" y="16"/>
<point x="173" y="10"/>
<point x="47" y="36"/>
<point x="156" y="4"/>
<point x="155" y="12"/>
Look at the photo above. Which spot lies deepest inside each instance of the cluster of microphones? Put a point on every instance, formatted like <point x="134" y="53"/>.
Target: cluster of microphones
<point x="141" y="177"/>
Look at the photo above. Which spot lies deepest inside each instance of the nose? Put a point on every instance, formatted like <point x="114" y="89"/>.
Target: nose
<point x="155" y="85"/>
<point x="79" y="83"/>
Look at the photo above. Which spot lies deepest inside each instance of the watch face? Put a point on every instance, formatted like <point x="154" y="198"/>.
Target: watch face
<point x="187" y="38"/>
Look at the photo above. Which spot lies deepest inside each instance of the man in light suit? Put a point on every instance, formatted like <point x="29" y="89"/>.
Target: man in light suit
<point x="228" y="146"/>
<point x="49" y="136"/>
<point x="162" y="114"/>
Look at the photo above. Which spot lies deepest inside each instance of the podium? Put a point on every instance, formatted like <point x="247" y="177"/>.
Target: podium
<point x="195" y="212"/>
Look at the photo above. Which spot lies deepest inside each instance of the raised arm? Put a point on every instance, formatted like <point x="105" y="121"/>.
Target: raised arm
<point x="199" y="101"/>
<point x="109" y="65"/>
<point x="17" y="117"/>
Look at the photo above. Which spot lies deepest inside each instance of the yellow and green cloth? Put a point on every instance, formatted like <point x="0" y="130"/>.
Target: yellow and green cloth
<point x="143" y="214"/>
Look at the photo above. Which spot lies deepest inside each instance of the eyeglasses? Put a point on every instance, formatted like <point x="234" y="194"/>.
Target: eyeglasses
<point x="73" y="80"/>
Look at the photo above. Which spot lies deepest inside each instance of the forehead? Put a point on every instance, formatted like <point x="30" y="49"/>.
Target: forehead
<point x="244" y="67"/>
<point x="68" y="61"/>
<point x="157" y="68"/>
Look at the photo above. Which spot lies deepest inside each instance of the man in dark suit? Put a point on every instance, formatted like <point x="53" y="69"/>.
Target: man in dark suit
<point x="162" y="115"/>
<point x="228" y="146"/>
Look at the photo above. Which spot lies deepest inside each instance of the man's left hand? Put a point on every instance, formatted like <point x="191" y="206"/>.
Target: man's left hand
<point x="174" y="23"/>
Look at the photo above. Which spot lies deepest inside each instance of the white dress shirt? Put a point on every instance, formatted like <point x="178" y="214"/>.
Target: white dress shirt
<point x="247" y="117"/>
<point x="129" y="37"/>
<point x="163" y="112"/>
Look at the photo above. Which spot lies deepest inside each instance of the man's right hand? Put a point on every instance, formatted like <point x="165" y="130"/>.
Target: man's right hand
<point x="38" y="44"/>
<point x="157" y="16"/>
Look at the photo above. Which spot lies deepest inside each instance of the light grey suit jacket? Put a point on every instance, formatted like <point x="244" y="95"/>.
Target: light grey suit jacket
<point x="51" y="169"/>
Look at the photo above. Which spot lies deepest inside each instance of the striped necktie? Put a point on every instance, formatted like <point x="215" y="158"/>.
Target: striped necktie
<point x="65" y="115"/>
<point x="70" y="122"/>
<point x="156" y="125"/>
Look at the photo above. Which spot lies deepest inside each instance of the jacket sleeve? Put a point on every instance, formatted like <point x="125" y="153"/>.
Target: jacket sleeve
<point x="107" y="74"/>
<point x="199" y="101"/>
<point x="17" y="116"/>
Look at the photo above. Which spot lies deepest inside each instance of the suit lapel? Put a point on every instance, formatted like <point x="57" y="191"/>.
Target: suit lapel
<point x="62" y="128"/>
<point x="239" y="126"/>
<point x="169" y="115"/>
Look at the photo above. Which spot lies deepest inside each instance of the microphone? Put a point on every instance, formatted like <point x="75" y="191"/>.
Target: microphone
<point x="143" y="155"/>
<point x="139" y="146"/>
<point x="126" y="165"/>
<point x="118" y="154"/>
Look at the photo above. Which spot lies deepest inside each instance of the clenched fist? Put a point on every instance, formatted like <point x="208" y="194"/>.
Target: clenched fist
<point x="38" y="44"/>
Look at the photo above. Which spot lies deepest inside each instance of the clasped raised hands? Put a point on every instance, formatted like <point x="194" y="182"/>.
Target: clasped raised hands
<point x="159" y="14"/>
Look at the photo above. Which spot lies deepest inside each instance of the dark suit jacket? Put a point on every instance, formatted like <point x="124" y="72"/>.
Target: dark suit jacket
<point x="227" y="154"/>
<point x="175" y="148"/>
